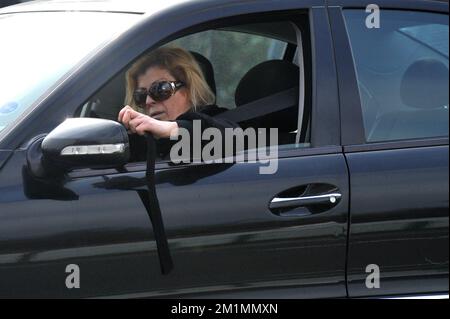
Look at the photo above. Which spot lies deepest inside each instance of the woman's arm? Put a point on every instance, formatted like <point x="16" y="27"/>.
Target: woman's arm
<point x="187" y="119"/>
<point x="140" y="124"/>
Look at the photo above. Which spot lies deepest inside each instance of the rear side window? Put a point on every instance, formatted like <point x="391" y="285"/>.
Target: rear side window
<point x="402" y="69"/>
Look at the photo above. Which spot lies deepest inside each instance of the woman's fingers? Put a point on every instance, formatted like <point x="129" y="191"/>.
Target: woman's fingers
<point x="127" y="114"/>
<point x="139" y="123"/>
<point x="130" y="113"/>
<point x="122" y="112"/>
<point x="134" y="114"/>
<point x="145" y="124"/>
<point x="126" y="118"/>
<point x="136" y="122"/>
<point x="142" y="128"/>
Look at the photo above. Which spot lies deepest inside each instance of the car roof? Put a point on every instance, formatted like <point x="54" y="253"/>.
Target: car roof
<point x="129" y="6"/>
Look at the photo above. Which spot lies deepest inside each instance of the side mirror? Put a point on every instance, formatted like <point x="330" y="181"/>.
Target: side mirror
<point x="85" y="143"/>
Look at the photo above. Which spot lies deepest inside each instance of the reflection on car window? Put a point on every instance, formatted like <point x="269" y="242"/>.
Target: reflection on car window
<point x="402" y="71"/>
<point x="433" y="35"/>
<point x="39" y="48"/>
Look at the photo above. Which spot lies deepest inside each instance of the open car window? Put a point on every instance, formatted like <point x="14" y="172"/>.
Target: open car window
<point x="245" y="64"/>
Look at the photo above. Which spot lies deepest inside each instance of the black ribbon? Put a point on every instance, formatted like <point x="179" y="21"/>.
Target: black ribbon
<point x="151" y="203"/>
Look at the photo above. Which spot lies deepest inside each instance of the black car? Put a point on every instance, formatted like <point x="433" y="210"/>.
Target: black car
<point x="5" y="3"/>
<point x="358" y="204"/>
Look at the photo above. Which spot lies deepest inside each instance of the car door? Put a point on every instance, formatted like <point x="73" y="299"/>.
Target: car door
<point x="395" y="115"/>
<point x="223" y="237"/>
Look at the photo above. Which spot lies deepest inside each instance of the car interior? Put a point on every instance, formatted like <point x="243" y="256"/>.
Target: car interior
<point x="403" y="85"/>
<point x="427" y="112"/>
<point x="258" y="92"/>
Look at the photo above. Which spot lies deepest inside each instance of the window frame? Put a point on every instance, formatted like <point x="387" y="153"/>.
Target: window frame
<point x="324" y="125"/>
<point x="318" y="142"/>
<point x="288" y="17"/>
<point x="324" y="75"/>
<point x="352" y="121"/>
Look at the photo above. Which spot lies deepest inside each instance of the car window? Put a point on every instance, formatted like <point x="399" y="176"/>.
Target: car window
<point x="241" y="67"/>
<point x="433" y="35"/>
<point x="34" y="58"/>
<point x="224" y="49"/>
<point x="402" y="70"/>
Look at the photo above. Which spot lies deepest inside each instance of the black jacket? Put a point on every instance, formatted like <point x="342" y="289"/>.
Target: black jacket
<point x="206" y="116"/>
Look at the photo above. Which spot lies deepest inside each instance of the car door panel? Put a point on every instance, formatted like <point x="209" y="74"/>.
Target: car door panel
<point x="107" y="233"/>
<point x="225" y="237"/>
<point x="399" y="220"/>
<point x="237" y="242"/>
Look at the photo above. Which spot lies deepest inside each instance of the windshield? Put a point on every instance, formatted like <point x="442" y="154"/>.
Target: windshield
<point x="38" y="48"/>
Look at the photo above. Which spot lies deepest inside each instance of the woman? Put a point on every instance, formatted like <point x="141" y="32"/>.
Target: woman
<point x="166" y="91"/>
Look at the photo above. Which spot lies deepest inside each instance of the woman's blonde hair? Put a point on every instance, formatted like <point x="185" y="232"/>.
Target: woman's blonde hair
<point x="181" y="65"/>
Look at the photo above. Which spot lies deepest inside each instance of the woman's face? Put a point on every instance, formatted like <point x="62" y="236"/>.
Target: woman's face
<point x="166" y="110"/>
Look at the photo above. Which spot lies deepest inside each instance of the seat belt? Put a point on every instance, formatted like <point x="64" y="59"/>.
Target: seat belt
<point x="151" y="203"/>
<point x="273" y="103"/>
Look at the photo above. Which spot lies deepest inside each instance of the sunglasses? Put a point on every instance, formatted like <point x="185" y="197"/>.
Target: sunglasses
<point x="159" y="91"/>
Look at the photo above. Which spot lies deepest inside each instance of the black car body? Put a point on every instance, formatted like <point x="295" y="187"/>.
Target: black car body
<point x="5" y="3"/>
<point x="224" y="239"/>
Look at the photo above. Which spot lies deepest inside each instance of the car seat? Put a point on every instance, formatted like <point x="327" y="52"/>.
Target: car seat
<point x="267" y="79"/>
<point x="424" y="90"/>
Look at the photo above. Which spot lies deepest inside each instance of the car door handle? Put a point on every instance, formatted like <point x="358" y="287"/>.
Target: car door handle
<point x="280" y="202"/>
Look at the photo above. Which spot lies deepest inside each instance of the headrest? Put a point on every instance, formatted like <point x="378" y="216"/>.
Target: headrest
<point x="265" y="79"/>
<point x="425" y="84"/>
<point x="207" y="69"/>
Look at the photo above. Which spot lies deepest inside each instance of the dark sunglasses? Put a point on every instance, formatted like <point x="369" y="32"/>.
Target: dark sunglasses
<point x="159" y="91"/>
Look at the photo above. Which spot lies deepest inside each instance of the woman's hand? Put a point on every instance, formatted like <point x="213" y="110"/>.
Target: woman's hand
<point x="139" y="123"/>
